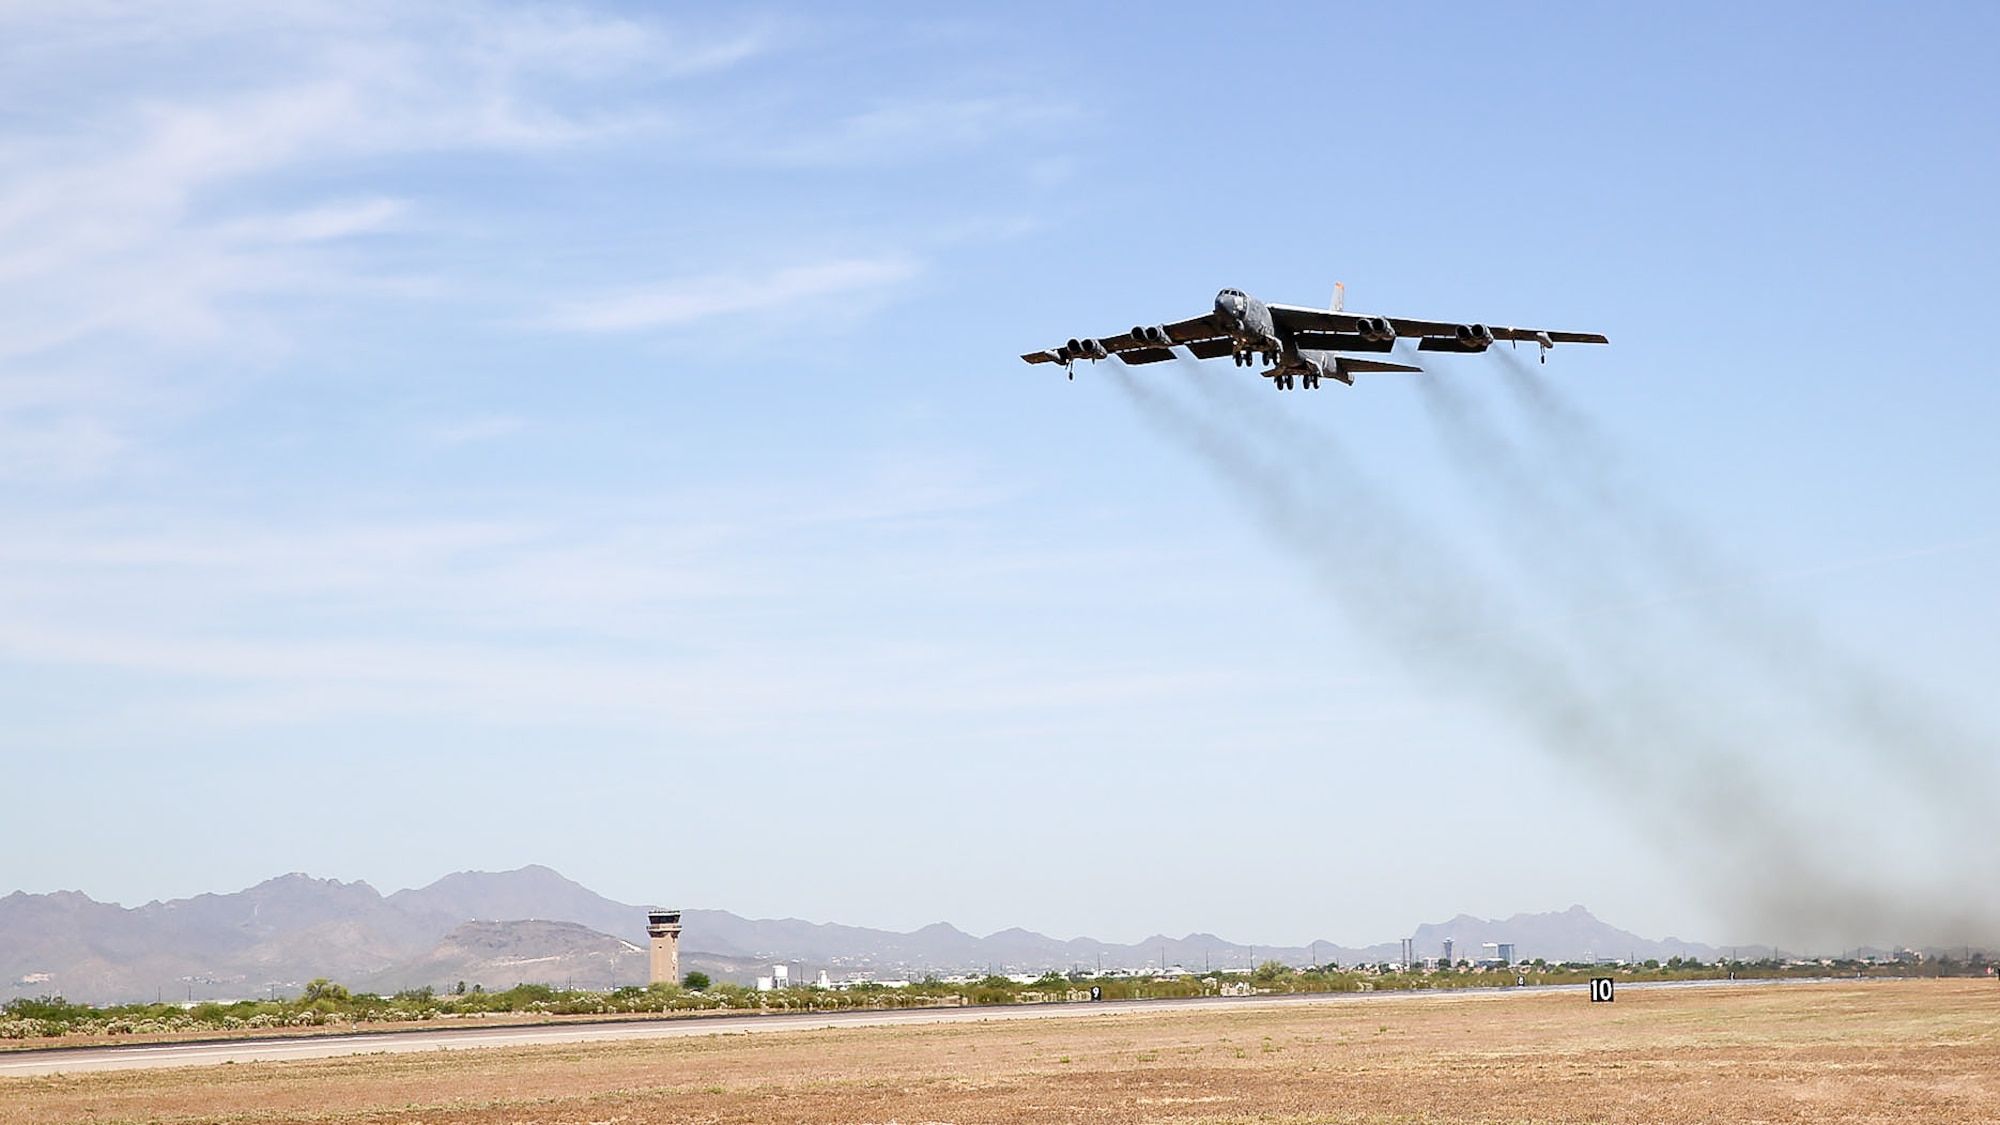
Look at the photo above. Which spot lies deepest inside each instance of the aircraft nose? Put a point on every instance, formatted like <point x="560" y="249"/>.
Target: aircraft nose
<point x="1229" y="305"/>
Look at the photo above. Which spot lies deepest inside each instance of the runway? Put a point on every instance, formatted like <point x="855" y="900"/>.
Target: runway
<point x="152" y="1056"/>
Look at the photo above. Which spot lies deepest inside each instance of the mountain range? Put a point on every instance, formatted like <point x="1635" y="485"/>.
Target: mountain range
<point x="498" y="929"/>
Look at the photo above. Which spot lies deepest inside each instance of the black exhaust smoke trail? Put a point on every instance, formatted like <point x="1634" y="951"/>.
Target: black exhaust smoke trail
<point x="1902" y="740"/>
<point x="1695" y="758"/>
<point x="1887" y="720"/>
<point x="1684" y="775"/>
<point x="1580" y="522"/>
<point x="1401" y="584"/>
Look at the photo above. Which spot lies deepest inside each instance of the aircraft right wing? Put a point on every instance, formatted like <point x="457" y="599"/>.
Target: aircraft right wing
<point x="1201" y="334"/>
<point x="1204" y="327"/>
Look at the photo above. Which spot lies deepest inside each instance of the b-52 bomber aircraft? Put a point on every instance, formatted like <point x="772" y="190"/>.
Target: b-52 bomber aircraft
<point x="1301" y="344"/>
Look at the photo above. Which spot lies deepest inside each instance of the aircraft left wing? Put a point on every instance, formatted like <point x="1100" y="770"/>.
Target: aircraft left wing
<point x="1298" y="318"/>
<point x="1451" y="342"/>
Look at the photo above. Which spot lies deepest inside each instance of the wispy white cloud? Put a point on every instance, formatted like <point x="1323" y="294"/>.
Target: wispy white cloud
<point x="193" y="169"/>
<point x="316" y="224"/>
<point x="148" y="216"/>
<point x="109" y="223"/>
<point x="729" y="607"/>
<point x="697" y="298"/>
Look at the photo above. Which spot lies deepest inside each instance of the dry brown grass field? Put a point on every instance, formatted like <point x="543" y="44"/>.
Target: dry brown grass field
<point x="1876" y="1052"/>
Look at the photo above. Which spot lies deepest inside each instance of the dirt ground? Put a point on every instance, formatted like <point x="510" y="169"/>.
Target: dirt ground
<point x="1877" y="1052"/>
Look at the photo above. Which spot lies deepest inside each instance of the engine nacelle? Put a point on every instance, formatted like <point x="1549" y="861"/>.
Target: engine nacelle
<point x="1088" y="349"/>
<point x="1155" y="335"/>
<point x="1376" y="328"/>
<point x="1474" y="337"/>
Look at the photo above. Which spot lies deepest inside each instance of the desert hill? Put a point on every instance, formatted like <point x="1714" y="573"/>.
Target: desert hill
<point x="533" y="925"/>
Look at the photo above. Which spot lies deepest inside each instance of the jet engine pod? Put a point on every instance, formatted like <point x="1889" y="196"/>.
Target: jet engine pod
<point x="1376" y="328"/>
<point x="1474" y="337"/>
<point x="1092" y="348"/>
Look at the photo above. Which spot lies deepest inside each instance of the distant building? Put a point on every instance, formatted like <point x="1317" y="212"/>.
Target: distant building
<point x="1447" y="952"/>
<point x="1506" y="949"/>
<point x="664" y="927"/>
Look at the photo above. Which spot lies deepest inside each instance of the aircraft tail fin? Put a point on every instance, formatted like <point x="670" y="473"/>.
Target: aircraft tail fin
<point x="1349" y="364"/>
<point x="1339" y="297"/>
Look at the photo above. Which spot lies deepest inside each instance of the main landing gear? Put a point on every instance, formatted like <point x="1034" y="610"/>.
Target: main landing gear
<point x="1285" y="381"/>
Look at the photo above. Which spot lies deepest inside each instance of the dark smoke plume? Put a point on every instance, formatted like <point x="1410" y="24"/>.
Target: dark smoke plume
<point x="1885" y="719"/>
<point x="1580" y="646"/>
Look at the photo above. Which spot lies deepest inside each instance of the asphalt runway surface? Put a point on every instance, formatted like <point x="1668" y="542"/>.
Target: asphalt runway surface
<point x="152" y="1056"/>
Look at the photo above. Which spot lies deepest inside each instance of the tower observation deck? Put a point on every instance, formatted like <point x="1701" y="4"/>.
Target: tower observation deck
<point x="664" y="927"/>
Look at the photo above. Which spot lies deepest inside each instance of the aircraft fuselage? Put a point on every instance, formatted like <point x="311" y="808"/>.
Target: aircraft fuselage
<point x="1250" y="324"/>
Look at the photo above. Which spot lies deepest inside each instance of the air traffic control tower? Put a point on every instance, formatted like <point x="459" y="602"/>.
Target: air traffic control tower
<point x="664" y="926"/>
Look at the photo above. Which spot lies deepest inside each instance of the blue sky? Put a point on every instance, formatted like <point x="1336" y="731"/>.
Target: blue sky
<point x="593" y="435"/>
